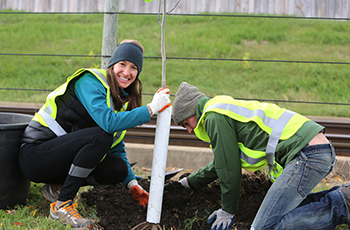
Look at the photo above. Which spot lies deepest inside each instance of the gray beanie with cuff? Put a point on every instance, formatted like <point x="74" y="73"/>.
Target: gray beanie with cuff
<point x="185" y="102"/>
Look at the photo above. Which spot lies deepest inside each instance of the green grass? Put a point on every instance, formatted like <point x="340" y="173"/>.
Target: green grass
<point x="35" y="213"/>
<point x="188" y="36"/>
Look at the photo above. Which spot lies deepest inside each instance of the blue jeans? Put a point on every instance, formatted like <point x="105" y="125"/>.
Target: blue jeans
<point x="283" y="206"/>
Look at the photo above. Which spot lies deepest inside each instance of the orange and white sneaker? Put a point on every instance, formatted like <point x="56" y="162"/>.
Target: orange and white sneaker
<point x="68" y="215"/>
<point x="49" y="192"/>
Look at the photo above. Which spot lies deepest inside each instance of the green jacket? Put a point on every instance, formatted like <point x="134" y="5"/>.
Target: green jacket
<point x="225" y="134"/>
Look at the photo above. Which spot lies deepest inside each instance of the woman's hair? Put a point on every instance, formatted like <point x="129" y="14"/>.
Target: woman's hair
<point x="132" y="41"/>
<point x="134" y="90"/>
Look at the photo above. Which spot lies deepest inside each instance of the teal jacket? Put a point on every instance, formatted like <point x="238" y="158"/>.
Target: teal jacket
<point x="89" y="90"/>
<point x="225" y="134"/>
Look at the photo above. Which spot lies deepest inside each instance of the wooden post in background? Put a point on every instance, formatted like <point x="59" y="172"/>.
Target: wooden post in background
<point x="110" y="32"/>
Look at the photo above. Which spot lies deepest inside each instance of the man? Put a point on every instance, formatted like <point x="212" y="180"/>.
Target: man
<point x="251" y="135"/>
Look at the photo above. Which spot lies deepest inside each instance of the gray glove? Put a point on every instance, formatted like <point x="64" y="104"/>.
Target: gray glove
<point x="184" y="182"/>
<point x="223" y="221"/>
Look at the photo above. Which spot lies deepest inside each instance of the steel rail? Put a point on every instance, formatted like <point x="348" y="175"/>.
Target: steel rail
<point x="337" y="131"/>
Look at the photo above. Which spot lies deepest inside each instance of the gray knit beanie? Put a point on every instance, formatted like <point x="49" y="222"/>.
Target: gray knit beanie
<point x="185" y="102"/>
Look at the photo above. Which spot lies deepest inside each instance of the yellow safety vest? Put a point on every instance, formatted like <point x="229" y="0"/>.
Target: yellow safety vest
<point x="279" y="123"/>
<point x="47" y="114"/>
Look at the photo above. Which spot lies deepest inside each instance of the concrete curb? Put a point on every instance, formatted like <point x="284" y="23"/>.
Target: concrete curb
<point x="178" y="156"/>
<point x="194" y="158"/>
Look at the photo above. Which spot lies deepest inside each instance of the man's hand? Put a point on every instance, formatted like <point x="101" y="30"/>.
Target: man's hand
<point x="223" y="221"/>
<point x="138" y="193"/>
<point x="184" y="182"/>
<point x="160" y="101"/>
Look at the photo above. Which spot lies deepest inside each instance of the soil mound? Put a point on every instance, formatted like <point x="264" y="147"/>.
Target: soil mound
<point x="181" y="209"/>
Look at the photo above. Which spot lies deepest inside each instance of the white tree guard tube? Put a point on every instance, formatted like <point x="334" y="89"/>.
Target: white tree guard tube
<point x="160" y="154"/>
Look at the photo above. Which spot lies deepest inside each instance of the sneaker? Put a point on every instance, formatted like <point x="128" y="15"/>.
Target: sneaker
<point x="49" y="192"/>
<point x="68" y="215"/>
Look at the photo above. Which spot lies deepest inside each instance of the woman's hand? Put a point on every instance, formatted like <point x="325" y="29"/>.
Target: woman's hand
<point x="138" y="193"/>
<point x="160" y="101"/>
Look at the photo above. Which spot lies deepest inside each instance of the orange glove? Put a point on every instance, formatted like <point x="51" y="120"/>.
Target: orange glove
<point x="166" y="92"/>
<point x="138" y="193"/>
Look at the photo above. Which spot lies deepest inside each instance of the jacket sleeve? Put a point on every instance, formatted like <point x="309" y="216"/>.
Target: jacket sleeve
<point x="227" y="163"/>
<point x="119" y="150"/>
<point x="92" y="94"/>
<point x="203" y="176"/>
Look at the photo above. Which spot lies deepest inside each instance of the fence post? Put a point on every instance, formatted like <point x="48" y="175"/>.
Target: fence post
<point x="110" y="29"/>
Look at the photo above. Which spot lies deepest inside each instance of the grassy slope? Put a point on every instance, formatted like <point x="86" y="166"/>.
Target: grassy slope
<point x="186" y="36"/>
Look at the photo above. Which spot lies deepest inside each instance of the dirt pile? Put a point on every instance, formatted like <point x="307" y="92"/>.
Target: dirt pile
<point x="181" y="209"/>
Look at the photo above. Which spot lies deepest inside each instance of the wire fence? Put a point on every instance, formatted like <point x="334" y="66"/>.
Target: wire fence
<point x="191" y="58"/>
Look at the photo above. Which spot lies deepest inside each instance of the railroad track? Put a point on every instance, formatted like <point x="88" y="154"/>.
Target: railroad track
<point x="337" y="130"/>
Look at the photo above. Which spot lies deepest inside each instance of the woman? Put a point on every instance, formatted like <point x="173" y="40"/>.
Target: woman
<point x="76" y="138"/>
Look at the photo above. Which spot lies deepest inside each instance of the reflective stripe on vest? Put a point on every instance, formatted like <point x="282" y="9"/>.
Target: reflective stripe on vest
<point x="104" y="79"/>
<point x="269" y="117"/>
<point x="48" y="114"/>
<point x="52" y="124"/>
<point x="277" y="126"/>
<point x="255" y="163"/>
